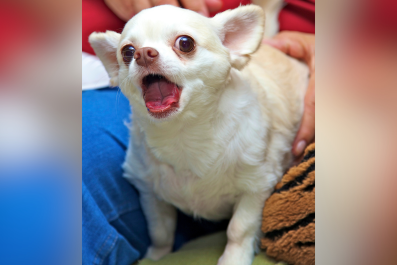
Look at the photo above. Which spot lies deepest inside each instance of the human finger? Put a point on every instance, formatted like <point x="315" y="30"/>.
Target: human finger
<point x="164" y="2"/>
<point x="121" y="8"/>
<point x="213" y="5"/>
<point x="139" y="5"/>
<point x="306" y="132"/>
<point x="198" y="6"/>
<point x="296" y="44"/>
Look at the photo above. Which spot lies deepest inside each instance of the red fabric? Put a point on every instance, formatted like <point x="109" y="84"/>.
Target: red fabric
<point x="230" y="4"/>
<point x="297" y="15"/>
<point x="96" y="16"/>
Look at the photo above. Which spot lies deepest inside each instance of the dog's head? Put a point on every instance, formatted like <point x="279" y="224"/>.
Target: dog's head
<point x="169" y="59"/>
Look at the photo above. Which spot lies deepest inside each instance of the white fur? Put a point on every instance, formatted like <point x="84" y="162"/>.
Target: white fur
<point x="222" y="152"/>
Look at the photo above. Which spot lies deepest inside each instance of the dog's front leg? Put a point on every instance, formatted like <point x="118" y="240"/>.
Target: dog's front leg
<point x="244" y="230"/>
<point x="161" y="219"/>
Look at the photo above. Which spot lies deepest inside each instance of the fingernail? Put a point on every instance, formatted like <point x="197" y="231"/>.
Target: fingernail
<point x="299" y="147"/>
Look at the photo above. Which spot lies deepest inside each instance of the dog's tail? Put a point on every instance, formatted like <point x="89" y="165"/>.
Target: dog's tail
<point x="272" y="8"/>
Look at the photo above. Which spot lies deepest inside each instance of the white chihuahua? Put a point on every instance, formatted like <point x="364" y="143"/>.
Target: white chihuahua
<point x="206" y="138"/>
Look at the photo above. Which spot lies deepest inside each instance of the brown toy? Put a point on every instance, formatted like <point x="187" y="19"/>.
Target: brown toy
<point x="289" y="215"/>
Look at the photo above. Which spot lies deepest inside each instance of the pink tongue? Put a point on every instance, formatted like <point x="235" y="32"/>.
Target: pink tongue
<point x="160" y="95"/>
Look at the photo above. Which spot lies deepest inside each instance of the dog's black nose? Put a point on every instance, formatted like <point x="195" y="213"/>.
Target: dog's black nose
<point x="146" y="56"/>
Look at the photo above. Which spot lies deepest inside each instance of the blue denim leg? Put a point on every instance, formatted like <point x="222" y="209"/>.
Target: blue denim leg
<point x="114" y="227"/>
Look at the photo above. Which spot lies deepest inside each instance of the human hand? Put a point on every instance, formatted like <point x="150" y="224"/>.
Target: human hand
<point x="126" y="9"/>
<point x="300" y="46"/>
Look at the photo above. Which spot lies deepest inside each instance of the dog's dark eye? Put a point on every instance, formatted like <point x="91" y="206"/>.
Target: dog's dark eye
<point x="184" y="43"/>
<point x="128" y="53"/>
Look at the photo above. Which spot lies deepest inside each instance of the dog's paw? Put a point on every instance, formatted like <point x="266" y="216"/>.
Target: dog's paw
<point x="156" y="253"/>
<point x="236" y="255"/>
<point x="227" y="260"/>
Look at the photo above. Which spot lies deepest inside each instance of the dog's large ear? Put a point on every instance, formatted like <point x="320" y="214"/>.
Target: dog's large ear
<point x="241" y="31"/>
<point x="105" y="46"/>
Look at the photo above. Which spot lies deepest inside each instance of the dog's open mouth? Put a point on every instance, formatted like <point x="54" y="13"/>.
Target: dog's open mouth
<point x="160" y="94"/>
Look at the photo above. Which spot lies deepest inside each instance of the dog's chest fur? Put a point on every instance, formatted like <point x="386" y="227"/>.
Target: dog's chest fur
<point x="210" y="198"/>
<point x="188" y="176"/>
<point x="201" y="166"/>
